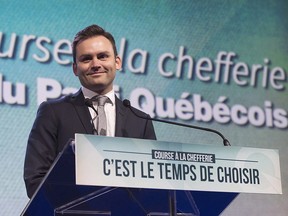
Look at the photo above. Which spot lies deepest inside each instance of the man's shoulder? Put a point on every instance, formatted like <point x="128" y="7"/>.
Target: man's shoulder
<point x="67" y="99"/>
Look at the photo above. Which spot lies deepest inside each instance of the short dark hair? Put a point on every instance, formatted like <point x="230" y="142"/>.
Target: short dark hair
<point x="92" y="31"/>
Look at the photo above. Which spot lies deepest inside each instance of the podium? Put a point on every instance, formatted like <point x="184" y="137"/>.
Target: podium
<point x="86" y="180"/>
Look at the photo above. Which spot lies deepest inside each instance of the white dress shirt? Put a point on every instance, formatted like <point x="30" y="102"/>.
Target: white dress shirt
<point x="109" y="108"/>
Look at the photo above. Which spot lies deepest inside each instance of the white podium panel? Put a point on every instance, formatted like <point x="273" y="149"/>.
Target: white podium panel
<point x="137" y="163"/>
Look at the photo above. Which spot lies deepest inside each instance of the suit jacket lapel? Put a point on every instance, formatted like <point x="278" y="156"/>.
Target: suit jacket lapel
<point x="121" y="116"/>
<point x="82" y="111"/>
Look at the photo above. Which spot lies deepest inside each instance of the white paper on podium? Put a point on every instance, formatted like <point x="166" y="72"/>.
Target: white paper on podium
<point x="138" y="163"/>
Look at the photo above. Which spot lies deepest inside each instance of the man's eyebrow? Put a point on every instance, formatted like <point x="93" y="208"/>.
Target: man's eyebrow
<point x="85" y="55"/>
<point x="91" y="54"/>
<point x="104" y="52"/>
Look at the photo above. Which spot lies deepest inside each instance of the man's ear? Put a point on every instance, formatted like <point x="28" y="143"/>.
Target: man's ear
<point x="74" y="66"/>
<point x="118" y="63"/>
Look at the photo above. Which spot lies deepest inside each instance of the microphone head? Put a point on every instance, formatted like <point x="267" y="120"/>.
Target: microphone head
<point x="88" y="102"/>
<point x="126" y="103"/>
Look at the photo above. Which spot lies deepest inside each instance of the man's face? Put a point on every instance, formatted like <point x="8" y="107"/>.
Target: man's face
<point x="96" y="64"/>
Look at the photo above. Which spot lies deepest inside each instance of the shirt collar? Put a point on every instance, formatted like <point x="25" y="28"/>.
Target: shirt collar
<point x="89" y="94"/>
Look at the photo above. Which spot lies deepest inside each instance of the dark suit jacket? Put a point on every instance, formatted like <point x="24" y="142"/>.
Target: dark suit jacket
<point x="56" y="123"/>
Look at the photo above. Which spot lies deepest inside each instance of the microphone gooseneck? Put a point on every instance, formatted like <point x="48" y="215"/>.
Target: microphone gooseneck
<point x="89" y="103"/>
<point x="127" y="103"/>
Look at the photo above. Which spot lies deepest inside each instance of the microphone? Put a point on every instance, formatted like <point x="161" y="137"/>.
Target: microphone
<point x="126" y="103"/>
<point x="89" y="103"/>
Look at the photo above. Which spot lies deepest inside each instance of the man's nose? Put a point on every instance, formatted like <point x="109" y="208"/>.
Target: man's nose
<point x="96" y="62"/>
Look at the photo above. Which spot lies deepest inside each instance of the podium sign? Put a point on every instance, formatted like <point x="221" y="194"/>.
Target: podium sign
<point x="137" y="163"/>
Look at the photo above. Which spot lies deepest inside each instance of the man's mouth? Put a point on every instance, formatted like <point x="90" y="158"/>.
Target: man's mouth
<point x="95" y="72"/>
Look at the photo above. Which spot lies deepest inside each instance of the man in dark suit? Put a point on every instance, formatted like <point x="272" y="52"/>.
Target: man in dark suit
<point x="95" y="64"/>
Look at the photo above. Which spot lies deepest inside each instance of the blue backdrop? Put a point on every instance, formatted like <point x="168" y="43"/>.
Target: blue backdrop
<point x="219" y="64"/>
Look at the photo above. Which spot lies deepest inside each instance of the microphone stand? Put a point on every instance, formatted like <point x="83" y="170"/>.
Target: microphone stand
<point x="173" y="203"/>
